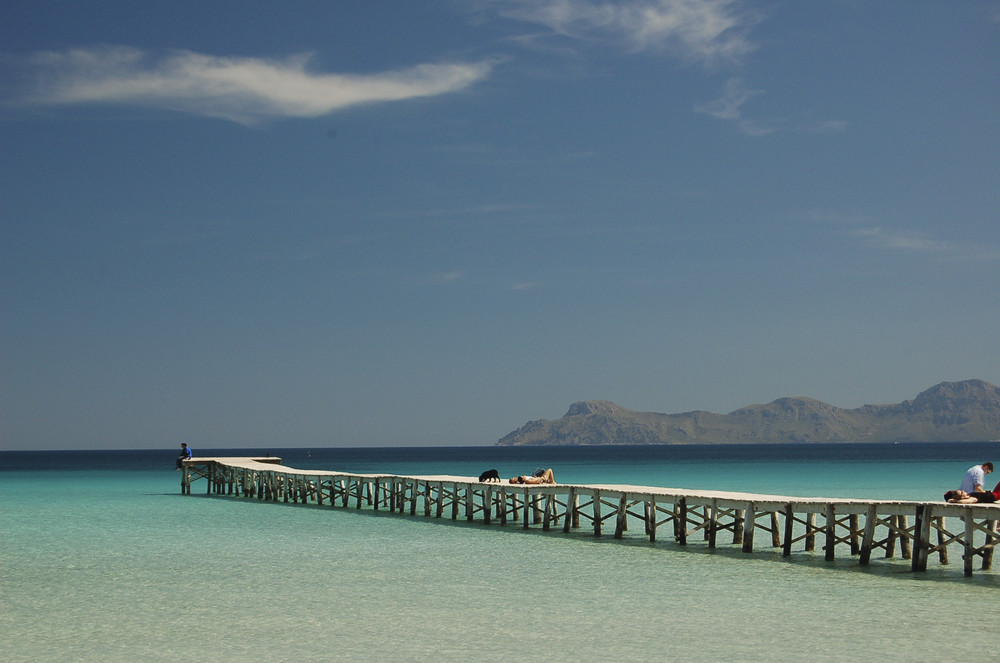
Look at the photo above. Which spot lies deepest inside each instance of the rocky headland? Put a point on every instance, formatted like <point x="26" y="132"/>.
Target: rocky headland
<point x="948" y="412"/>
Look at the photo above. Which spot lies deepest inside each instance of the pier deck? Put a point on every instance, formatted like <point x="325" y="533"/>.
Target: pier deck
<point x="919" y="531"/>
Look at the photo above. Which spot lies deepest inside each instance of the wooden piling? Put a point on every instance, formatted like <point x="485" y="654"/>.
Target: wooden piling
<point x="786" y="549"/>
<point x="572" y="517"/>
<point x="680" y="524"/>
<point x="868" y="540"/>
<point x="921" y="537"/>
<point x="970" y="547"/>
<point x="749" y="525"/>
<point x="621" y="517"/>
<point x="831" y="531"/>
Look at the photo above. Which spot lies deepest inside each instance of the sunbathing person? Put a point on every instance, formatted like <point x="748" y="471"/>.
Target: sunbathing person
<point x="963" y="497"/>
<point x="538" y="476"/>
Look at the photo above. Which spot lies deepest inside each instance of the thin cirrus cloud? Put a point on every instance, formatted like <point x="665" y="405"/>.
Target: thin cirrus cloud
<point x="895" y="240"/>
<point x="701" y="30"/>
<point x="242" y="89"/>
<point x="709" y="32"/>
<point x="728" y="106"/>
<point x="443" y="278"/>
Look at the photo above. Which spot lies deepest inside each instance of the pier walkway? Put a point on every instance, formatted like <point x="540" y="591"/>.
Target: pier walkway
<point x="918" y="531"/>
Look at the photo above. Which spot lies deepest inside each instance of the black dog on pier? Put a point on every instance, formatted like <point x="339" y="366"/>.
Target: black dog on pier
<point x="489" y="475"/>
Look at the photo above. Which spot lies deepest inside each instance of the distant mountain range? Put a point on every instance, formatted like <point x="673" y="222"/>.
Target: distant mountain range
<point x="963" y="411"/>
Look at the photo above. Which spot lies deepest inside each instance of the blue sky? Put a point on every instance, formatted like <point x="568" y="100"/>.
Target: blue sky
<point x="426" y="223"/>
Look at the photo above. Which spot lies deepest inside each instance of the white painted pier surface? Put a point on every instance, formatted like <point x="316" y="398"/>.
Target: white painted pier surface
<point x="918" y="531"/>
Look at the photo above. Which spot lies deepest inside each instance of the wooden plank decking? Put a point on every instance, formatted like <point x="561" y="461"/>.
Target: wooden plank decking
<point x="919" y="531"/>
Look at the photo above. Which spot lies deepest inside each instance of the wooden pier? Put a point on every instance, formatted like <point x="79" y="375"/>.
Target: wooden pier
<point x="918" y="531"/>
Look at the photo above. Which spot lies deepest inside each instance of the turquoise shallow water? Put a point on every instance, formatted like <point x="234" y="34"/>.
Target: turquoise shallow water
<point x="116" y="565"/>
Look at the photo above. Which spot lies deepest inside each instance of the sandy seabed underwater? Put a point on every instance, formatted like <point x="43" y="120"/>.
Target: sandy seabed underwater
<point x="115" y="565"/>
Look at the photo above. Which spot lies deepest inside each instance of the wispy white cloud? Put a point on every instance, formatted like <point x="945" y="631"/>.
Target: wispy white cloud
<point x="901" y="240"/>
<point x="828" y="126"/>
<point x="242" y="89"/>
<point x="729" y="106"/>
<point x="443" y="278"/>
<point x="700" y="30"/>
<point x="906" y="241"/>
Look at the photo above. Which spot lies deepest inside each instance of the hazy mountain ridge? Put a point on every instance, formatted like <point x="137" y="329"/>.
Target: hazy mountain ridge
<point x="950" y="411"/>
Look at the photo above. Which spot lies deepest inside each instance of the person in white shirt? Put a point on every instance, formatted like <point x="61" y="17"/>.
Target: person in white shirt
<point x="975" y="477"/>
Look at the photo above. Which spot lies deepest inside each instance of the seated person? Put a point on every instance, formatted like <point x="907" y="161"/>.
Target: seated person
<point x="538" y="476"/>
<point x="186" y="454"/>
<point x="963" y="497"/>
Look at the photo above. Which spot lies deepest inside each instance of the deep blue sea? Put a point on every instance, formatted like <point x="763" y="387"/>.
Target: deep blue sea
<point x="102" y="559"/>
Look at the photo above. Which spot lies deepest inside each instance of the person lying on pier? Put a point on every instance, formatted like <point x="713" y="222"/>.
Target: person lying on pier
<point x="975" y="497"/>
<point x="538" y="476"/>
